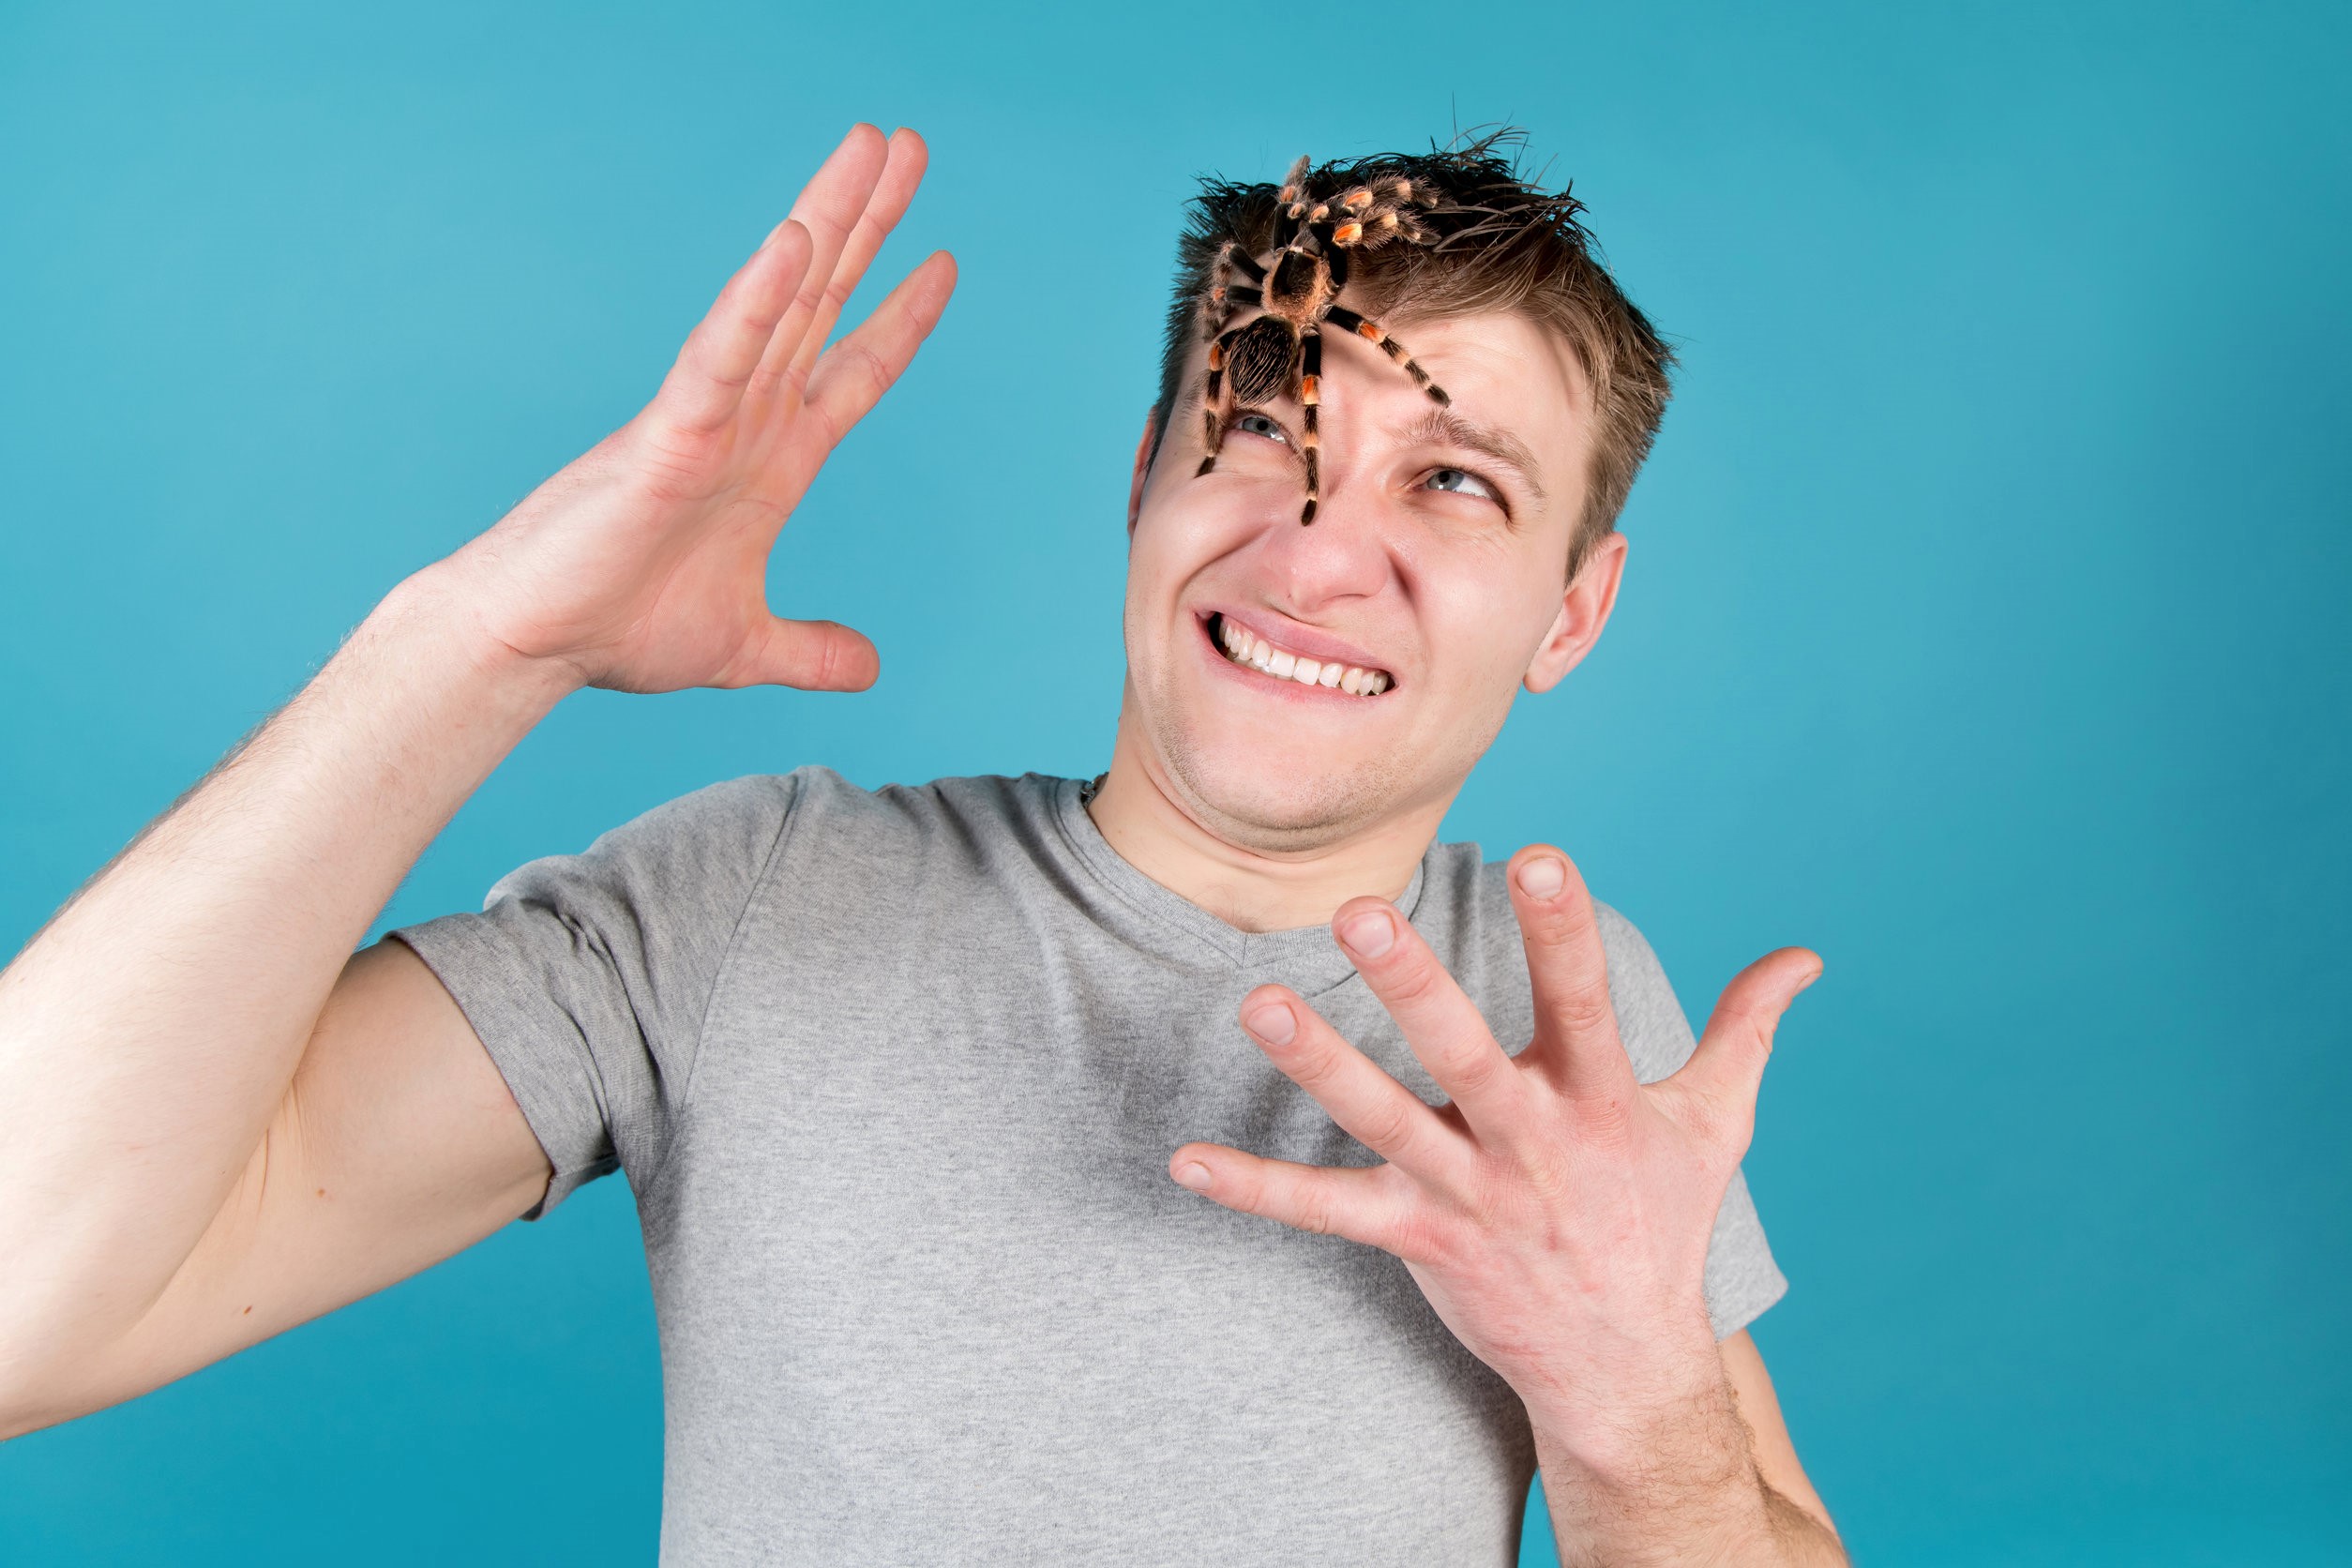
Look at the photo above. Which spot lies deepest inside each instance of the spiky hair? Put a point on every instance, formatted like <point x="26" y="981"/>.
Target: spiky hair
<point x="1504" y="244"/>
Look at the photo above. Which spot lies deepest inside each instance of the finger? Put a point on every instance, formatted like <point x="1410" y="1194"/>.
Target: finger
<point x="1368" y="1105"/>
<point x="814" y="656"/>
<point x="1728" y="1068"/>
<point x="902" y="171"/>
<point x="855" y="372"/>
<point x="829" y="207"/>
<point x="1360" y="1205"/>
<point x="1441" y="1024"/>
<point x="1575" y="1042"/>
<point x="705" y="386"/>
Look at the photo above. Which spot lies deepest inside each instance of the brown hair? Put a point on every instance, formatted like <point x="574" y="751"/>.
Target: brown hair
<point x="1502" y="244"/>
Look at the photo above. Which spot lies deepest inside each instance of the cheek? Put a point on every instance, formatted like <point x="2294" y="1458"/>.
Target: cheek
<point x="1482" y="611"/>
<point x="1156" y="540"/>
<point x="1166" y="550"/>
<point x="1180" y="533"/>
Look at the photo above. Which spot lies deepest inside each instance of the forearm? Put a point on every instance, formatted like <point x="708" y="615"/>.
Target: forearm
<point x="1680" y="1489"/>
<point x="148" y="1033"/>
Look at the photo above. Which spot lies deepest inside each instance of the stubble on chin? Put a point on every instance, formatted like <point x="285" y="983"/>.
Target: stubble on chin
<point x="1279" y="804"/>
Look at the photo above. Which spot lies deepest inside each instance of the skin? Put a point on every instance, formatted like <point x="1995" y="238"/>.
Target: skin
<point x="249" y="1124"/>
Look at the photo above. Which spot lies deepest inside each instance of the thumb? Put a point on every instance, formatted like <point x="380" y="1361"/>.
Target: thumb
<point x="1728" y="1068"/>
<point x="813" y="656"/>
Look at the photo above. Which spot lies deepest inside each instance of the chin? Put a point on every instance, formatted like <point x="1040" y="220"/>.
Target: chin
<point x="1289" y="800"/>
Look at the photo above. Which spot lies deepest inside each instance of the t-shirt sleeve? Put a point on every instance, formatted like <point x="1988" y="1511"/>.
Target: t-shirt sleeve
<point x="1742" y="1278"/>
<point x="588" y="975"/>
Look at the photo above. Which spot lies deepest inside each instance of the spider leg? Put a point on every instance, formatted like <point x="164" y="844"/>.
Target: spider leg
<point x="1295" y="187"/>
<point x="1392" y="189"/>
<point x="1388" y="209"/>
<point x="1310" y="434"/>
<point x="1379" y="224"/>
<point x="1348" y="321"/>
<point x="1241" y="294"/>
<point x="1216" y="304"/>
<point x="1215" y="395"/>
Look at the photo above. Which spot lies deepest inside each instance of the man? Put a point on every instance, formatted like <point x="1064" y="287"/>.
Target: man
<point x="910" y="1084"/>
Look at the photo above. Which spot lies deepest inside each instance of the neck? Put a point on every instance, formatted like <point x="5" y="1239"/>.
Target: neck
<point x="1147" y="820"/>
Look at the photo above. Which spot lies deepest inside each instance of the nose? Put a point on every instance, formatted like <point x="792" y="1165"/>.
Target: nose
<point x="1340" y="556"/>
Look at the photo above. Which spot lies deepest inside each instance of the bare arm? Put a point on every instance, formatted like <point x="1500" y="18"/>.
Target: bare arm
<point x="1795" y="1507"/>
<point x="1718" y="1483"/>
<point x="221" y="1123"/>
<point x="156" y="1027"/>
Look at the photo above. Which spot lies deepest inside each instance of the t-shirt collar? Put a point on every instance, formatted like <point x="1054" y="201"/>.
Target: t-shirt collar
<point x="1305" y="957"/>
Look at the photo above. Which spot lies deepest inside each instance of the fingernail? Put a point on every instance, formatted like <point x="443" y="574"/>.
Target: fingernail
<point x="1808" y="980"/>
<point x="1193" y="1175"/>
<point x="1369" y="933"/>
<point x="1543" y="877"/>
<point x="1273" y="1023"/>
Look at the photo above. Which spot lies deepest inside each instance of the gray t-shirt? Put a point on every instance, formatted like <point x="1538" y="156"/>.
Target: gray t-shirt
<point x="894" y="1076"/>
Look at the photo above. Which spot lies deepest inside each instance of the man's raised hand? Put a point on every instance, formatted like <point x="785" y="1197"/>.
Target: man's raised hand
<point x="1556" y="1213"/>
<point x="641" y="566"/>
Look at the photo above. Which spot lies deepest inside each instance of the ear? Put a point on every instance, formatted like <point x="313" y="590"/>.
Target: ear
<point x="1142" y="467"/>
<point x="1584" y="609"/>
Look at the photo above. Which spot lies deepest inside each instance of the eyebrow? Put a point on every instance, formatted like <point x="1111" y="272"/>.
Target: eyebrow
<point x="1442" y="427"/>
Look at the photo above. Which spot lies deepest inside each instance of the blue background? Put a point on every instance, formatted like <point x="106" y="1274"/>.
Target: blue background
<point x="1984" y="629"/>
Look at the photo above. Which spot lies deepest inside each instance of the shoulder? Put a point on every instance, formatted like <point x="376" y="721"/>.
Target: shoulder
<point x="941" y="812"/>
<point x="817" y="822"/>
<point x="819" y="791"/>
<point x="704" y="847"/>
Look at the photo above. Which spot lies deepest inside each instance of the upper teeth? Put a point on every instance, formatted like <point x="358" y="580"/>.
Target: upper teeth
<point x="1244" y="646"/>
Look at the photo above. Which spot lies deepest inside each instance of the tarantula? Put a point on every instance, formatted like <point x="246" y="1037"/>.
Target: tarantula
<point x="1280" y="354"/>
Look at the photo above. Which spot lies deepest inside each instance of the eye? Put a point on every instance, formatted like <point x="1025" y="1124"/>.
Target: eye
<point x="1461" y="481"/>
<point x="1258" y="424"/>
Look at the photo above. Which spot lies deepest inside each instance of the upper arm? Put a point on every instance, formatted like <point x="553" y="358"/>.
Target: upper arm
<point x="1768" y="1432"/>
<point x="397" y="1144"/>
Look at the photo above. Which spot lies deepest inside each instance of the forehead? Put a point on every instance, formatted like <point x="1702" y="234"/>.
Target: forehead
<point x="1505" y="367"/>
<point x="1499" y="367"/>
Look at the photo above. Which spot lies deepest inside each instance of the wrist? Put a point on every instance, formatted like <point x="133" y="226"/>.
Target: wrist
<point x="1695" y="1441"/>
<point x="1609" y="1408"/>
<point x="1654" y="1446"/>
<point x="434" y="617"/>
<point x="1671" y="1484"/>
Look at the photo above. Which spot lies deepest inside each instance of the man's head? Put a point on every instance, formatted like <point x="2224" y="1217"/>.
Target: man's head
<point x="1460" y="551"/>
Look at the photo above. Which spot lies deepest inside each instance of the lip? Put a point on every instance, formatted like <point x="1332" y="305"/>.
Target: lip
<point x="1322" y="649"/>
<point x="1298" y="640"/>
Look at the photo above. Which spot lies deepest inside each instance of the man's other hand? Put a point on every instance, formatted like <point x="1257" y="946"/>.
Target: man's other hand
<point x="641" y="567"/>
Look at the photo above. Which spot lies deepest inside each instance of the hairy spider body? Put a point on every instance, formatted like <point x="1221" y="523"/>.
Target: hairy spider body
<point x="1279" y="353"/>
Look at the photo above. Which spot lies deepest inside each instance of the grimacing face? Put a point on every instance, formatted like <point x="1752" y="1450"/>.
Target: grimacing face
<point x="1438" y="558"/>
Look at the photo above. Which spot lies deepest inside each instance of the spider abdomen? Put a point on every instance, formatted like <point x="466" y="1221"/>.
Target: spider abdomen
<point x="1260" y="360"/>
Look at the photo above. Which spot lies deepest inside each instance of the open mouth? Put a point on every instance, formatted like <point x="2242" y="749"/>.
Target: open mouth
<point x="1244" y="647"/>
